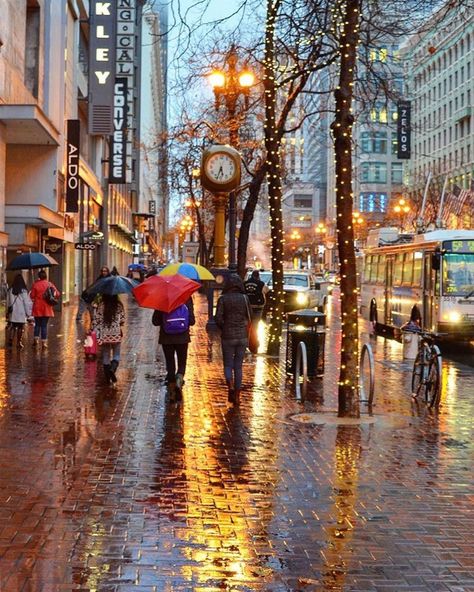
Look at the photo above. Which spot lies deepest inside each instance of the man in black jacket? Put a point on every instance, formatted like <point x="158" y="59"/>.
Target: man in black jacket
<point x="255" y="290"/>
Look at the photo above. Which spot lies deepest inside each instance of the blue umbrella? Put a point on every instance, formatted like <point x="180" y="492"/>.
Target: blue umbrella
<point x="112" y="285"/>
<point x="136" y="267"/>
<point x="31" y="261"/>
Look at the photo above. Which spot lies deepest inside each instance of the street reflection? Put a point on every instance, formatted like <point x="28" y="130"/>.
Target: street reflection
<point x="339" y="534"/>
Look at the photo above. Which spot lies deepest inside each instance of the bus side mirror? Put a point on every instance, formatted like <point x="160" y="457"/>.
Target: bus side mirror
<point x="436" y="261"/>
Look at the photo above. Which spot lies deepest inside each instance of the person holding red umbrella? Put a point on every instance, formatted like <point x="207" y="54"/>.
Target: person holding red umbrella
<point x="175" y="342"/>
<point x="170" y="297"/>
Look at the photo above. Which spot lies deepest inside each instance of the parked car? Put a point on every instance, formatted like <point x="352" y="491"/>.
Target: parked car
<point x="302" y="289"/>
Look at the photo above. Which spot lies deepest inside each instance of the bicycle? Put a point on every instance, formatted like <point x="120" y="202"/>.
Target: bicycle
<point x="427" y="369"/>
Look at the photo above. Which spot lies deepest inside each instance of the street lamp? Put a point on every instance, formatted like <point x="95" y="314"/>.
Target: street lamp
<point x="402" y="208"/>
<point x="228" y="85"/>
<point x="320" y="230"/>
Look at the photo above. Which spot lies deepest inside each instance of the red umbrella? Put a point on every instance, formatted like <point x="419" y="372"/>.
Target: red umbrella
<point x="165" y="292"/>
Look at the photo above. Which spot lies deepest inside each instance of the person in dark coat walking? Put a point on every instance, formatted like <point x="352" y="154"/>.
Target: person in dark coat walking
<point x="175" y="344"/>
<point x="233" y="317"/>
<point x="255" y="290"/>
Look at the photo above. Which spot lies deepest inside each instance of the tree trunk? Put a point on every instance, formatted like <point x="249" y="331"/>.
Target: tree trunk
<point x="248" y="214"/>
<point x="272" y="146"/>
<point x="348" y="396"/>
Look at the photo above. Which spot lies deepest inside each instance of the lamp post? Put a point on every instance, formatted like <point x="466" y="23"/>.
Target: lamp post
<point x="357" y="222"/>
<point x="228" y="85"/>
<point x="321" y="231"/>
<point x="402" y="208"/>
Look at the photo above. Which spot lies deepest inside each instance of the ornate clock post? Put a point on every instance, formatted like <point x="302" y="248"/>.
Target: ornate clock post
<point x="220" y="174"/>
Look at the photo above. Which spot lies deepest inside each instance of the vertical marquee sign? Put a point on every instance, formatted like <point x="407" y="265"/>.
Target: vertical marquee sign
<point x="404" y="129"/>
<point x="125" y="56"/>
<point x="103" y="19"/>
<point x="118" y="140"/>
<point x="72" y="165"/>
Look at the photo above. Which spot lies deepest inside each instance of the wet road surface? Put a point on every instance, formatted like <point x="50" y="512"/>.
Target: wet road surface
<point x="119" y="490"/>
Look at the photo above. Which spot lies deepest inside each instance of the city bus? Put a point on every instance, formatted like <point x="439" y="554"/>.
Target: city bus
<point x="433" y="270"/>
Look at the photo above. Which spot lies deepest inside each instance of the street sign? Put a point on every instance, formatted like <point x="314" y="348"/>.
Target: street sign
<point x="84" y="246"/>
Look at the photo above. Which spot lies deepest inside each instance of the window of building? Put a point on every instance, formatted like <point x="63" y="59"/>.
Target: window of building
<point x="372" y="201"/>
<point x="374" y="142"/>
<point x="397" y="172"/>
<point x="303" y="201"/>
<point x="32" y="47"/>
<point x="374" y="172"/>
<point x="394" y="144"/>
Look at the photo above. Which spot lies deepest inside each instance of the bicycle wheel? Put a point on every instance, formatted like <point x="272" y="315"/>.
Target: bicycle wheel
<point x="433" y="381"/>
<point x="417" y="375"/>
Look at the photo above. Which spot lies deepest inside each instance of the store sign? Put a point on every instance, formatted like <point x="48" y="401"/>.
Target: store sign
<point x="118" y="141"/>
<point x="84" y="246"/>
<point x="53" y="247"/>
<point x="92" y="235"/>
<point x="103" y="21"/>
<point x="152" y="206"/>
<point x="125" y="67"/>
<point x="404" y="129"/>
<point x="72" y="165"/>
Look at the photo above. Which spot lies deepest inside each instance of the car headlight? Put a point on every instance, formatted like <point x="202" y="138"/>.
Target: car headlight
<point x="301" y="298"/>
<point x="454" y="316"/>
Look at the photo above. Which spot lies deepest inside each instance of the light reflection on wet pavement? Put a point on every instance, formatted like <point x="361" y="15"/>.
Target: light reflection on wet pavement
<point x="119" y="490"/>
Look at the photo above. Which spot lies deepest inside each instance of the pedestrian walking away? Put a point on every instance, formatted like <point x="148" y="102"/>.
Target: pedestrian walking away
<point x="86" y="300"/>
<point x="43" y="294"/>
<point x="19" y="307"/>
<point x="109" y="318"/>
<point x="255" y="290"/>
<point x="174" y="339"/>
<point x="232" y="317"/>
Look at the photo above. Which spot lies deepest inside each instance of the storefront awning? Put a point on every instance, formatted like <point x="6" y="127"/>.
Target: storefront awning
<point x="36" y="215"/>
<point x="27" y="124"/>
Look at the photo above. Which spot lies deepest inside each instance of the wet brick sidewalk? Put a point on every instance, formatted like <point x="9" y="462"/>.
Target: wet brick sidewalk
<point x="118" y="490"/>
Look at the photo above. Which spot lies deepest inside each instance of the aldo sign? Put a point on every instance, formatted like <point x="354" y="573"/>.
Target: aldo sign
<point x="72" y="165"/>
<point x="103" y="22"/>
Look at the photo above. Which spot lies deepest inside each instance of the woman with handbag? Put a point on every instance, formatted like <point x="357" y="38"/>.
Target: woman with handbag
<point x="109" y="318"/>
<point x="42" y="307"/>
<point x="233" y="318"/>
<point x="19" y="307"/>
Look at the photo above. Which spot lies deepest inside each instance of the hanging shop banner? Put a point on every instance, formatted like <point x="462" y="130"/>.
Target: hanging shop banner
<point x="126" y="43"/>
<point x="102" y="64"/>
<point x="404" y="130"/>
<point x="72" y="165"/>
<point x="118" y="140"/>
<point x="152" y="206"/>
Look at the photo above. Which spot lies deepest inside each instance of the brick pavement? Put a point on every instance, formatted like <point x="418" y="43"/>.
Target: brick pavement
<point x="117" y="490"/>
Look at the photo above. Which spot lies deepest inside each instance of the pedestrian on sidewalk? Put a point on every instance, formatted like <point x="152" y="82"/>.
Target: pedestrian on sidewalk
<point x="255" y="290"/>
<point x="42" y="309"/>
<point x="19" y="308"/>
<point x="175" y="345"/>
<point x="233" y="317"/>
<point x="109" y="318"/>
<point x="86" y="299"/>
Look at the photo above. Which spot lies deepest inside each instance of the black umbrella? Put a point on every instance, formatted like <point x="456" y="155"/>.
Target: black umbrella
<point x="112" y="285"/>
<point x="31" y="261"/>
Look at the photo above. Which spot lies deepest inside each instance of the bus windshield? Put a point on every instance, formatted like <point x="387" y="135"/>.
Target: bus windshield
<point x="458" y="274"/>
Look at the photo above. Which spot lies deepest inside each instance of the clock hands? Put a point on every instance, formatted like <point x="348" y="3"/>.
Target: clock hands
<point x="220" y="173"/>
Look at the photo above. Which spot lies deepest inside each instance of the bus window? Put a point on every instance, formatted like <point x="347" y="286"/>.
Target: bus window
<point x="398" y="270"/>
<point x="407" y="269"/>
<point x="381" y="269"/>
<point x="373" y="272"/>
<point x="367" y="268"/>
<point x="417" y="267"/>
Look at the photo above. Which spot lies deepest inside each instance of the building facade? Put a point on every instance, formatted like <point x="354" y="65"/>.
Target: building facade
<point x="69" y="165"/>
<point x="439" y="66"/>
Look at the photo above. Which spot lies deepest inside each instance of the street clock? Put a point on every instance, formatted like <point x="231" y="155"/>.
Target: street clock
<point x="220" y="169"/>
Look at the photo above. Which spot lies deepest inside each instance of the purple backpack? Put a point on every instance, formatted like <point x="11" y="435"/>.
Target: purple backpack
<point x="176" y="321"/>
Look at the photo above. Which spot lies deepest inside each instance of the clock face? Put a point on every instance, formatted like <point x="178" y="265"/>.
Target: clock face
<point x="220" y="168"/>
